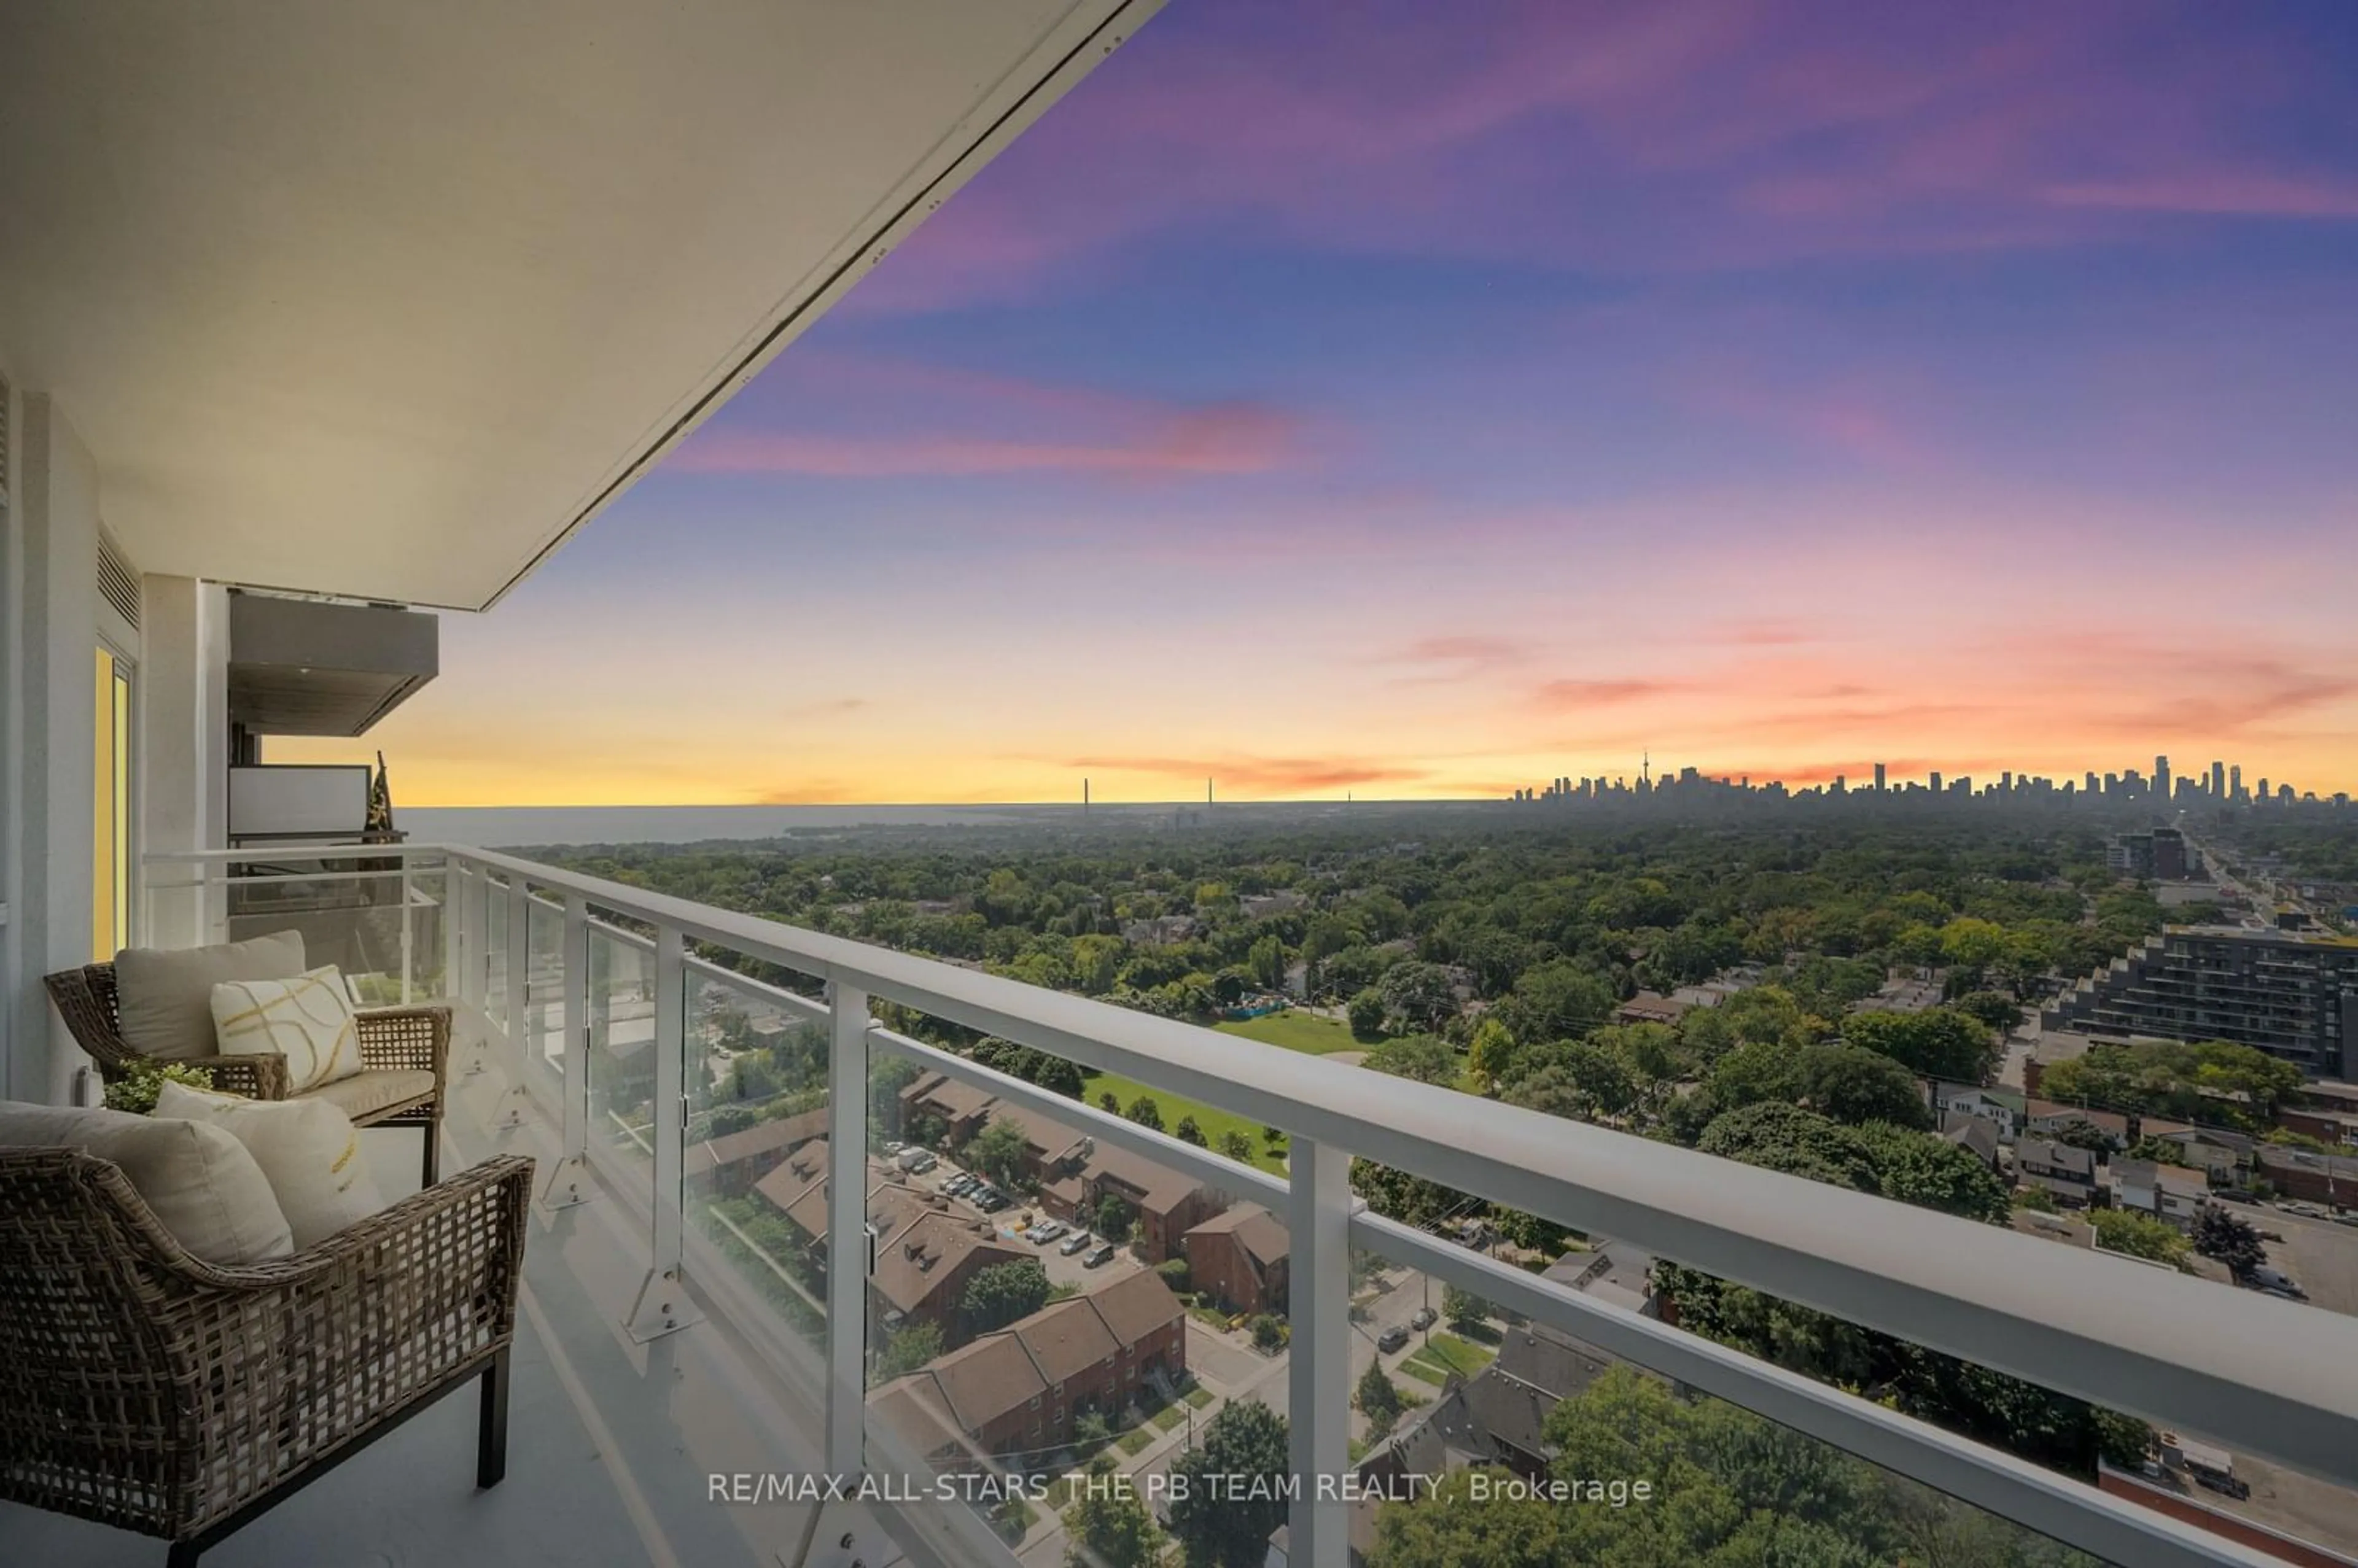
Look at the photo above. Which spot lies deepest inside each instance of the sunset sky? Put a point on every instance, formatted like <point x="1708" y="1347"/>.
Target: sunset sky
<point x="1425" y="399"/>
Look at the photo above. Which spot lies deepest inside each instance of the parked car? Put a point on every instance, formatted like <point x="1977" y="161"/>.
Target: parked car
<point x="959" y="1186"/>
<point x="2275" y="1282"/>
<point x="1103" y="1255"/>
<point x="923" y="1160"/>
<point x="1391" y="1340"/>
<point x="893" y="1146"/>
<point x="2345" y="1217"/>
<point x="2232" y="1486"/>
<point x="1045" y="1232"/>
<point x="1074" y="1243"/>
<point x="992" y="1200"/>
<point x="2306" y="1210"/>
<point x="1422" y="1318"/>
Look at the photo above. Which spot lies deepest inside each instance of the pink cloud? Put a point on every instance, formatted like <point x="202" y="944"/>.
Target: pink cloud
<point x="1577" y="696"/>
<point x="1695" y="136"/>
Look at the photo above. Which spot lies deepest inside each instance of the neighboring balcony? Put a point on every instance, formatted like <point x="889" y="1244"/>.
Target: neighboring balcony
<point x="725" y="1258"/>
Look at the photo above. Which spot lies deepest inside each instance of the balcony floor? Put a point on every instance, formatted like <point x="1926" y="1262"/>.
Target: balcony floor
<point x="610" y="1443"/>
<point x="409" y="1499"/>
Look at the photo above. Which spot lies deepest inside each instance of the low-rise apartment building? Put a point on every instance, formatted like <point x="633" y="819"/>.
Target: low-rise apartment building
<point x="1015" y="1393"/>
<point x="1165" y="1204"/>
<point x="1241" y="1258"/>
<point x="2330" y="1179"/>
<point x="961" y="1107"/>
<point x="927" y="1251"/>
<point x="2292" y="995"/>
<point x="728" y="1166"/>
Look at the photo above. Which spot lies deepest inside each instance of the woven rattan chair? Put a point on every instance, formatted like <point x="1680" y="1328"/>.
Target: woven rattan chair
<point x="147" y="1390"/>
<point x="392" y="1039"/>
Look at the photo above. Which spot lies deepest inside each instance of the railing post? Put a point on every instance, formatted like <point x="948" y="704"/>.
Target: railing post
<point x="847" y="1244"/>
<point x="663" y="1304"/>
<point x="566" y="1182"/>
<point x="1319" y="1356"/>
<point x="518" y="1006"/>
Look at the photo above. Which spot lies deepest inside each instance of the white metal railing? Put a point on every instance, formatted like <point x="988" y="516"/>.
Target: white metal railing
<point x="2265" y="1375"/>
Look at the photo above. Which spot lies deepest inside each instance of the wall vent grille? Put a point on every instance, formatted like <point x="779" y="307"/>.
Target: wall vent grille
<point x="118" y="583"/>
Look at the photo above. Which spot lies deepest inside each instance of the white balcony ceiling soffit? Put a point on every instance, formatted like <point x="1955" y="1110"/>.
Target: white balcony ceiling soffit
<point x="383" y="301"/>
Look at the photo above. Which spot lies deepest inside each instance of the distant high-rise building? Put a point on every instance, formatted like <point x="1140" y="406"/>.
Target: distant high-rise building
<point x="1878" y="778"/>
<point x="1933" y="778"/>
<point x="2218" y="781"/>
<point x="2236" y="783"/>
<point x="2161" y="778"/>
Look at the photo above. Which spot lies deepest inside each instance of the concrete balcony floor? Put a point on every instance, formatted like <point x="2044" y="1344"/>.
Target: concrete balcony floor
<point x="610" y="1443"/>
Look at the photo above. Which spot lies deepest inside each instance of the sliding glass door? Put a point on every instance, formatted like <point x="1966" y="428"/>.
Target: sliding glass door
<point x="111" y="890"/>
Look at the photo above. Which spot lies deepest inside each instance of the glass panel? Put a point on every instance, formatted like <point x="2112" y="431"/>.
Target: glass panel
<point x="1504" y="1430"/>
<point x="754" y="1178"/>
<point x="1033" y="1320"/>
<point x="495" y="950"/>
<point x="350" y="909"/>
<point x="621" y="1053"/>
<point x="544" y="1030"/>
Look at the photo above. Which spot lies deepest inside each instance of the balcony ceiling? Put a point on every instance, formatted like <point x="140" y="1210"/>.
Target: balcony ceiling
<point x="383" y="301"/>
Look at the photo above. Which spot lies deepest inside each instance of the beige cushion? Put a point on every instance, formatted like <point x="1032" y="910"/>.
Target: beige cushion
<point x="364" y="1094"/>
<point x="307" y="1149"/>
<point x="308" y="1019"/>
<point x="203" y="1185"/>
<point x="165" y="995"/>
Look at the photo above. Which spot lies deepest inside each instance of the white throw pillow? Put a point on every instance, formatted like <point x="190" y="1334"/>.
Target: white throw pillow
<point x="164" y="997"/>
<point x="306" y="1020"/>
<point x="307" y="1149"/>
<point x="202" y="1185"/>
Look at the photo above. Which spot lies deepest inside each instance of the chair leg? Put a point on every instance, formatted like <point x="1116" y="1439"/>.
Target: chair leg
<point x="433" y="1166"/>
<point x="492" y="1430"/>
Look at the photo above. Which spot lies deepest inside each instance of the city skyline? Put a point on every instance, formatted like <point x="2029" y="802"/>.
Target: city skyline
<point x="1431" y="409"/>
<point x="2162" y="785"/>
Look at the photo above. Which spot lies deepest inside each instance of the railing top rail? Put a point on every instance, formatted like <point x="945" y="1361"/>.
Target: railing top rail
<point x="2273" y="1376"/>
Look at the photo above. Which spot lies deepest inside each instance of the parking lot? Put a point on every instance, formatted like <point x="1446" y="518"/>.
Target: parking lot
<point x="2319" y="1254"/>
<point x="1062" y="1270"/>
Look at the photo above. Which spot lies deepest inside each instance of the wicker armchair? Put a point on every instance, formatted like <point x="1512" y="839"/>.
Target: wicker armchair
<point x="392" y="1039"/>
<point x="147" y="1390"/>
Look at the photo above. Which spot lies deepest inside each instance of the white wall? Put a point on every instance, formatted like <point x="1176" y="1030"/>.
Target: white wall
<point x="184" y="731"/>
<point x="53" y="589"/>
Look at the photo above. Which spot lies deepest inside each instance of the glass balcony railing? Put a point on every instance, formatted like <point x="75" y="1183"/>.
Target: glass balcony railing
<point x="1010" y="1300"/>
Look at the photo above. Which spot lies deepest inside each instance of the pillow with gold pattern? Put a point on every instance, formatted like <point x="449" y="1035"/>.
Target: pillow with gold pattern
<point x="306" y="1020"/>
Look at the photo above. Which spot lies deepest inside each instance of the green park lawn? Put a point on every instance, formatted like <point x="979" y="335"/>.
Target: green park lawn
<point x="1296" y="1030"/>
<point x="1269" y="1157"/>
<point x="1446" y="1353"/>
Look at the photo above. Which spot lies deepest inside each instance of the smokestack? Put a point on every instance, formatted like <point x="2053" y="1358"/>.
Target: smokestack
<point x="1085" y="797"/>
